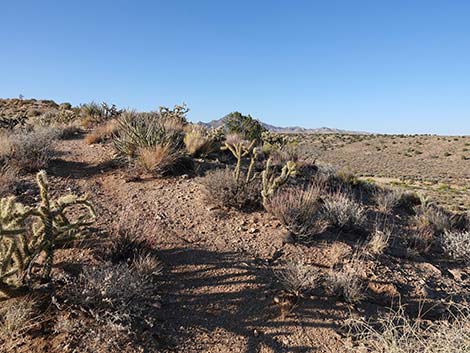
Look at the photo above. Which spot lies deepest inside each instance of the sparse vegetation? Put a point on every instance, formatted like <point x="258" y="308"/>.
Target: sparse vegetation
<point x="343" y="212"/>
<point x="225" y="190"/>
<point x="29" y="232"/>
<point x="301" y="211"/>
<point x="30" y="151"/>
<point x="345" y="281"/>
<point x="397" y="332"/>
<point x="456" y="245"/>
<point x="163" y="270"/>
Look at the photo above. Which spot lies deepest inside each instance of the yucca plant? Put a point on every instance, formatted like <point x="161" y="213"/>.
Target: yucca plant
<point x="145" y="139"/>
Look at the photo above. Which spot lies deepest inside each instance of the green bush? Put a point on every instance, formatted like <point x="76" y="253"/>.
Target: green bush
<point x="249" y="128"/>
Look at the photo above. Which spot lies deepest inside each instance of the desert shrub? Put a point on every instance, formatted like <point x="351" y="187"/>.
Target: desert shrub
<point x="174" y="119"/>
<point x="343" y="212"/>
<point x="8" y="179"/>
<point x="249" y="128"/>
<point x="91" y="337"/>
<point x="345" y="281"/>
<point x="378" y="241"/>
<point x="456" y="245"/>
<point x="225" y="190"/>
<point x="300" y="210"/>
<point x="16" y="318"/>
<point x="153" y="142"/>
<point x="137" y="130"/>
<point x="12" y="122"/>
<point x="131" y="238"/>
<point x="120" y="293"/>
<point x="284" y="154"/>
<point x="94" y="114"/>
<point x="198" y="142"/>
<point x="297" y="277"/>
<point x="408" y="201"/>
<point x="102" y="132"/>
<point x="387" y="200"/>
<point x="31" y="151"/>
<point x="398" y="333"/>
<point x="432" y="218"/>
<point x="55" y="118"/>
<point x="158" y="159"/>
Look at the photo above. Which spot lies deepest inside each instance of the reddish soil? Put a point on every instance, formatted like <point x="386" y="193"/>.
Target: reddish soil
<point x="218" y="286"/>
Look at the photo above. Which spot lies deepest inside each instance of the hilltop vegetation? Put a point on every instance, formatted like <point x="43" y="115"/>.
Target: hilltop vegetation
<point x="125" y="231"/>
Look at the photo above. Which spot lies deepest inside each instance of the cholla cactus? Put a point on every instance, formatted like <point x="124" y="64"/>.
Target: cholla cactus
<point x="240" y="149"/>
<point x="21" y="245"/>
<point x="271" y="182"/>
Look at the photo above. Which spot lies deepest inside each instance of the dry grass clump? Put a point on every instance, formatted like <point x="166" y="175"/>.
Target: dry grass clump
<point x="131" y="238"/>
<point x="8" y="178"/>
<point x="432" y="218"/>
<point x="224" y="190"/>
<point x="387" y="200"/>
<point x="102" y="132"/>
<point x="398" y="333"/>
<point x="16" y="318"/>
<point x="378" y="241"/>
<point x="198" y="142"/>
<point x="163" y="159"/>
<point x="297" y="277"/>
<point x="121" y="293"/>
<point x="300" y="210"/>
<point x="157" y="159"/>
<point x="343" y="212"/>
<point x="29" y="151"/>
<point x="430" y="223"/>
<point x="345" y="281"/>
<point x="456" y="245"/>
<point x="90" y="337"/>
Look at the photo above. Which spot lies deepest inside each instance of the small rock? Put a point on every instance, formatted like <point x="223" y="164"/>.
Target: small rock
<point x="429" y="269"/>
<point x="253" y="230"/>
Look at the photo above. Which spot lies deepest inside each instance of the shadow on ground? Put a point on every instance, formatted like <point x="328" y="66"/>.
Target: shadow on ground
<point x="211" y="293"/>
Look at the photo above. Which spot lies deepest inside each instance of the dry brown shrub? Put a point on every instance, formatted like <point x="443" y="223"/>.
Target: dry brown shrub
<point x="8" y="179"/>
<point x="343" y="212"/>
<point x="157" y="159"/>
<point x="198" y="142"/>
<point x="102" y="132"/>
<point x="32" y="151"/>
<point x="432" y="218"/>
<point x="296" y="277"/>
<point x="345" y="281"/>
<point x="378" y="241"/>
<point x="300" y="210"/>
<point x="396" y="332"/>
<point x="16" y="319"/>
<point x="224" y="190"/>
<point x="387" y="200"/>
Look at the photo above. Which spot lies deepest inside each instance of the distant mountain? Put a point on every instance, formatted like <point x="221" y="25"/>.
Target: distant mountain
<point x="288" y="130"/>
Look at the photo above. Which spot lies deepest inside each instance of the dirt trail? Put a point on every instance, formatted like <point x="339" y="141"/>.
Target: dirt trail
<point x="217" y="287"/>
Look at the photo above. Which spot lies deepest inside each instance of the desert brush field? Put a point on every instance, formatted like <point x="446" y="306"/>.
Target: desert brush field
<point x="126" y="231"/>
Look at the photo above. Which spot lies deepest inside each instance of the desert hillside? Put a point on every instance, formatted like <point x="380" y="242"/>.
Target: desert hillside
<point x="143" y="232"/>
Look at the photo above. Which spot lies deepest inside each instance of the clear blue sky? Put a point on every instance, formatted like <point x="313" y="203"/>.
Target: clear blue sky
<point x="385" y="66"/>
